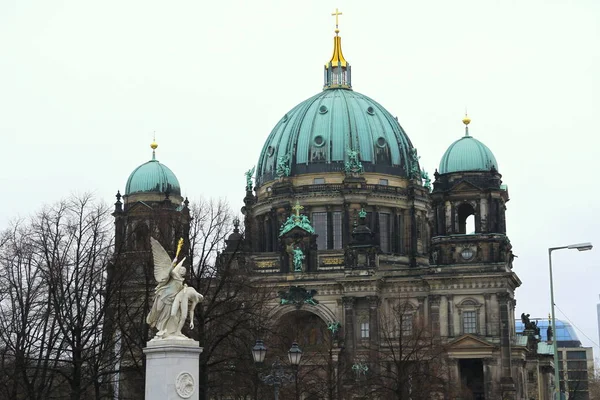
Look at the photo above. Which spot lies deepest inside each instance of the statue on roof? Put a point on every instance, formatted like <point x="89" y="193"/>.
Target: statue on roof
<point x="353" y="165"/>
<point x="413" y="164"/>
<point x="174" y="301"/>
<point x="283" y="169"/>
<point x="296" y="220"/>
<point x="426" y="179"/>
<point x="249" y="174"/>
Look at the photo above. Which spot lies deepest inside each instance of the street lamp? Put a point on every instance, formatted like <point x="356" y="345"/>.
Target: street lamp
<point x="295" y="354"/>
<point x="259" y="351"/>
<point x="277" y="377"/>
<point x="579" y="247"/>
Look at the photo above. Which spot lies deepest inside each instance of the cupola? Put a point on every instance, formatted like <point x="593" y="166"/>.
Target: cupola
<point x="152" y="181"/>
<point x="467" y="154"/>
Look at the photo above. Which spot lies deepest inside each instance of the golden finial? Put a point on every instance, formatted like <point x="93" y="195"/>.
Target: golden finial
<point x="337" y="21"/>
<point x="153" y="146"/>
<point x="466" y="120"/>
<point x="337" y="59"/>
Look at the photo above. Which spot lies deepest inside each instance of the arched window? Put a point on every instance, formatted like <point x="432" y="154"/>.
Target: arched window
<point x="466" y="219"/>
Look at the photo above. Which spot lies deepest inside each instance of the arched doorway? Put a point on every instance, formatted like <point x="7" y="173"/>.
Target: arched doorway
<point x="317" y="376"/>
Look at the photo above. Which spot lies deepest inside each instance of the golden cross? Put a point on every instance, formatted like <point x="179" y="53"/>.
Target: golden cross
<point x="337" y="15"/>
<point x="297" y="208"/>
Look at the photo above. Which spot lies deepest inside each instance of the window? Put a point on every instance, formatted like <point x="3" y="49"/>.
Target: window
<point x="337" y="229"/>
<point x="319" y="220"/>
<point x="469" y="321"/>
<point x="576" y="355"/>
<point x="466" y="225"/>
<point x="384" y="232"/>
<point x="383" y="182"/>
<point x="407" y="324"/>
<point x="319" y="181"/>
<point x="364" y="330"/>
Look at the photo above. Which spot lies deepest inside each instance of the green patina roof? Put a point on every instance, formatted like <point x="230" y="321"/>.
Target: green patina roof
<point x="152" y="177"/>
<point x="315" y="137"/>
<point x="467" y="154"/>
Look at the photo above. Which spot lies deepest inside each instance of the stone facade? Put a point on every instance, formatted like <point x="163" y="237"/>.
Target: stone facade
<point x="401" y="243"/>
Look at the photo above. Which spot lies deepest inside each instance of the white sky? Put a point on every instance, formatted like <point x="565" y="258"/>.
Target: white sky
<point x="83" y="84"/>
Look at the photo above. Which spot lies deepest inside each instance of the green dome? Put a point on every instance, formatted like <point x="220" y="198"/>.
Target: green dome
<point x="467" y="154"/>
<point x="152" y="177"/>
<point x="316" y="135"/>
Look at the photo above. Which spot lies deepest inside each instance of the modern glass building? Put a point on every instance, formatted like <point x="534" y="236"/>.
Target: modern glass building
<point x="576" y="361"/>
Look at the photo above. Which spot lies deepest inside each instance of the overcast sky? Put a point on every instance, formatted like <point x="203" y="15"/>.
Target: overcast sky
<point x="84" y="84"/>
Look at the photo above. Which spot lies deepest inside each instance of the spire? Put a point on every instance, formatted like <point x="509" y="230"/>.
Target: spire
<point x="337" y="70"/>
<point x="153" y="146"/>
<point x="466" y="120"/>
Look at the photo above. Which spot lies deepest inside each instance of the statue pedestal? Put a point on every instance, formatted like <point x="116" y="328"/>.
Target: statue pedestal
<point x="172" y="369"/>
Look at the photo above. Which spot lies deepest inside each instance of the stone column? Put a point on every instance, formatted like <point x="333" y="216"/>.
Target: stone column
<point x="373" y="328"/>
<point x="423" y="314"/>
<point x="494" y="314"/>
<point x="434" y="314"/>
<point x="456" y="321"/>
<point x="451" y="311"/>
<point x="486" y="309"/>
<point x="508" y="385"/>
<point x="490" y="376"/>
<point x="172" y="369"/>
<point x="349" y="323"/>
<point x="443" y="316"/>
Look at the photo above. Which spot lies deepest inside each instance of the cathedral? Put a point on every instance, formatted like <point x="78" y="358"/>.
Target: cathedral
<point x="364" y="251"/>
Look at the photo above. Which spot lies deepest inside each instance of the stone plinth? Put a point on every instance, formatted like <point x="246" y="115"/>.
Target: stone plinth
<point x="172" y="369"/>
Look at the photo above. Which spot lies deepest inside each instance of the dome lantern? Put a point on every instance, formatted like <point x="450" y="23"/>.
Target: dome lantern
<point x="337" y="70"/>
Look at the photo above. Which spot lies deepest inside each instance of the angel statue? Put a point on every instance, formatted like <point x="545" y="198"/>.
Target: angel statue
<point x="174" y="301"/>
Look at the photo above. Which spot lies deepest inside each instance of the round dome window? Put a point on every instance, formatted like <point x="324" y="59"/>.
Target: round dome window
<point x="381" y="142"/>
<point x="319" y="141"/>
<point x="370" y="110"/>
<point x="285" y="118"/>
<point x="323" y="110"/>
<point x="270" y="151"/>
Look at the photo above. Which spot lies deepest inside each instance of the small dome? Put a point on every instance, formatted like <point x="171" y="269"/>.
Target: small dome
<point x="152" y="177"/>
<point x="467" y="154"/>
<point x="316" y="135"/>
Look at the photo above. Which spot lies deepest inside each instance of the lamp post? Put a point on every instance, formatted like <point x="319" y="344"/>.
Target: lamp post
<point x="579" y="247"/>
<point x="278" y="377"/>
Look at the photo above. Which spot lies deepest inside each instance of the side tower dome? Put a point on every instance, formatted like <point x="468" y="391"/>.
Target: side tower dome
<point x="469" y="186"/>
<point x="152" y="181"/>
<point x="467" y="154"/>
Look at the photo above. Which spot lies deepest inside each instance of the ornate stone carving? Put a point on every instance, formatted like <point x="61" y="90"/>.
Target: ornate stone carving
<point x="298" y="296"/>
<point x="348" y="301"/>
<point x="185" y="385"/>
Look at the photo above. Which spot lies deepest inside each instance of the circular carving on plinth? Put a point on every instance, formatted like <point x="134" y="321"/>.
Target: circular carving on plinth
<point x="185" y="385"/>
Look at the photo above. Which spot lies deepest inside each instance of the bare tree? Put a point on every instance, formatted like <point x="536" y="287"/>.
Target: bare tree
<point x="28" y="332"/>
<point x="233" y="308"/>
<point x="54" y="266"/>
<point x="410" y="359"/>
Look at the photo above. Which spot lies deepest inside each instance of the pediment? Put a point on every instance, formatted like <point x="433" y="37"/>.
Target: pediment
<point x="470" y="342"/>
<point x="138" y="206"/>
<point x="465" y="186"/>
<point x="295" y="232"/>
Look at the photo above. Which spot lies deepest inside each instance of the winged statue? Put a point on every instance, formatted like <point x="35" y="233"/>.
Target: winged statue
<point x="174" y="301"/>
